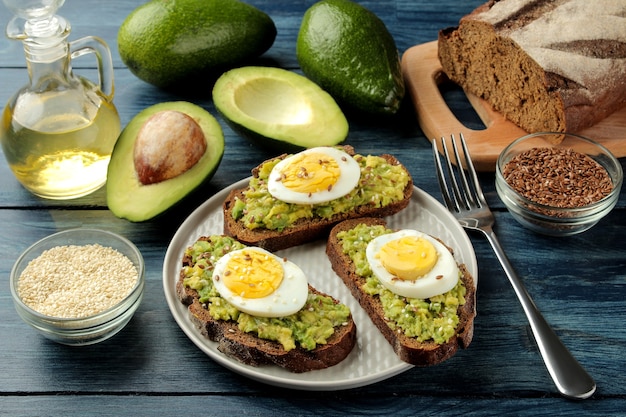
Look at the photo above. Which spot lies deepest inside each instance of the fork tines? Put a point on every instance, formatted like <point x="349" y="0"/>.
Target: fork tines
<point x="467" y="196"/>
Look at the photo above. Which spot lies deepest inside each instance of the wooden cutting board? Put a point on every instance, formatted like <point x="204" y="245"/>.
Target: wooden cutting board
<point x="423" y="74"/>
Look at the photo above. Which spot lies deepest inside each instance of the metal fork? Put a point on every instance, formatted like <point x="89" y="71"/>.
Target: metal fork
<point x="467" y="203"/>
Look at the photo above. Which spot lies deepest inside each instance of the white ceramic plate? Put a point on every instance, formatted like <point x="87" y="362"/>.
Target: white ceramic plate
<point x="372" y="359"/>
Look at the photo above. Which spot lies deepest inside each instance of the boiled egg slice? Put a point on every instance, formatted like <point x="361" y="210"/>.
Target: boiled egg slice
<point x="316" y="175"/>
<point x="412" y="264"/>
<point x="260" y="283"/>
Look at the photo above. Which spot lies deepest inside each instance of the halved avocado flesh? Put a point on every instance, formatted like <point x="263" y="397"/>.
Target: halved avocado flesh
<point x="128" y="198"/>
<point x="279" y="109"/>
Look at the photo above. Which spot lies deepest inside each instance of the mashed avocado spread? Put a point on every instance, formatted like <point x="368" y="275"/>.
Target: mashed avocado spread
<point x="380" y="184"/>
<point x="313" y="325"/>
<point x="433" y="319"/>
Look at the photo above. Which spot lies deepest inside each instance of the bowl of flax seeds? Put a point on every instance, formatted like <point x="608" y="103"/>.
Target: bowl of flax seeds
<point x="558" y="184"/>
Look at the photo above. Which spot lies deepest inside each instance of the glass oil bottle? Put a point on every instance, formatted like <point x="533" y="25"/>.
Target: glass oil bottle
<point x="58" y="132"/>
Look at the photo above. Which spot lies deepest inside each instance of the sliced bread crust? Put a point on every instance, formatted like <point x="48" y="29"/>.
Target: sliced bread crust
<point x="408" y="349"/>
<point x="304" y="230"/>
<point x="251" y="350"/>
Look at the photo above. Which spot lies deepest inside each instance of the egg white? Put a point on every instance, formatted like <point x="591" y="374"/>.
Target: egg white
<point x="350" y="173"/>
<point x="424" y="287"/>
<point x="287" y="299"/>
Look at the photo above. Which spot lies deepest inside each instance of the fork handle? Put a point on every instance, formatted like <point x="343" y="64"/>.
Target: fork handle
<point x="570" y="377"/>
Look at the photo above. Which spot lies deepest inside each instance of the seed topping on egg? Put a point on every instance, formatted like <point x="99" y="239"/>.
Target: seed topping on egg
<point x="409" y="257"/>
<point x="258" y="282"/>
<point x="313" y="176"/>
<point x="412" y="264"/>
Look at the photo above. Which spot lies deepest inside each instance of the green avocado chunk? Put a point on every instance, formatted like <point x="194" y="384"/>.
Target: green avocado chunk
<point x="169" y="42"/>
<point x="433" y="319"/>
<point x="348" y="51"/>
<point x="380" y="184"/>
<point x="308" y="328"/>
<point x="279" y="109"/>
<point x="141" y="194"/>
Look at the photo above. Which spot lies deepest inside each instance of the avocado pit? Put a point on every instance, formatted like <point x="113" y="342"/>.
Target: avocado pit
<point x="168" y="144"/>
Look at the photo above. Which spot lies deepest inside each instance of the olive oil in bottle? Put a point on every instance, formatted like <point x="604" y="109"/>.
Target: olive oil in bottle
<point x="58" y="132"/>
<point x="63" y="155"/>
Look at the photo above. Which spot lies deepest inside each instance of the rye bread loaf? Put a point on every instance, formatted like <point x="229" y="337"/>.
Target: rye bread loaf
<point x="309" y="229"/>
<point x="546" y="65"/>
<point x="251" y="350"/>
<point x="407" y="348"/>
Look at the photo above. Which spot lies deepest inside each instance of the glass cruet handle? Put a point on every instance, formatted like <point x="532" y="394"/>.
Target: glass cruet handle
<point x="97" y="46"/>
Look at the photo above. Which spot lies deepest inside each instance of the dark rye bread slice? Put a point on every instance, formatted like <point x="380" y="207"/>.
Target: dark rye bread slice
<point x="305" y="230"/>
<point x="251" y="350"/>
<point x="545" y="65"/>
<point x="408" y="349"/>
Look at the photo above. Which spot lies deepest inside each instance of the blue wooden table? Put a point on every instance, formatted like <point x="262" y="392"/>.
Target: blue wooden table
<point x="152" y="368"/>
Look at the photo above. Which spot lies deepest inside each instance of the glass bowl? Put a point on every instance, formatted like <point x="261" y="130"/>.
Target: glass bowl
<point x="100" y="323"/>
<point x="547" y="216"/>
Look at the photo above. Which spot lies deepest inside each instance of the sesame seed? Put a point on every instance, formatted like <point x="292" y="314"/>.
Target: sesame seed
<point x="76" y="281"/>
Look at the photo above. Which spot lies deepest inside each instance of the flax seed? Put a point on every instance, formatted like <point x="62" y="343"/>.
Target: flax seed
<point x="76" y="281"/>
<point x="558" y="177"/>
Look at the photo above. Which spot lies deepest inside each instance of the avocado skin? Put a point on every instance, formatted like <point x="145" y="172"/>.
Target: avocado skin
<point x="127" y="198"/>
<point x="172" y="42"/>
<point x="256" y="138"/>
<point x="349" y="52"/>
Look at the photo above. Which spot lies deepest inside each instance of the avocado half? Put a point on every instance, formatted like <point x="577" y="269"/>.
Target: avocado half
<point x="279" y="109"/>
<point x="128" y="197"/>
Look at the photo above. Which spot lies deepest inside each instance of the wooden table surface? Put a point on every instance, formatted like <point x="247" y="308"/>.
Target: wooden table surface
<point x="152" y="368"/>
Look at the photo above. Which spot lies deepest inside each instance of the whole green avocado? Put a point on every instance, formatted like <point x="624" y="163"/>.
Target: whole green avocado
<point x="167" y="42"/>
<point x="348" y="51"/>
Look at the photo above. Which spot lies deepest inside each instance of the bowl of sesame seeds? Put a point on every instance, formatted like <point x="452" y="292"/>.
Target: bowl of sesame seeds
<point x="78" y="286"/>
<point x="558" y="184"/>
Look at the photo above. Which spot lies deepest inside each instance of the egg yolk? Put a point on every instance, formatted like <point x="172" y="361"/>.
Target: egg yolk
<point x="310" y="173"/>
<point x="252" y="274"/>
<point x="409" y="257"/>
